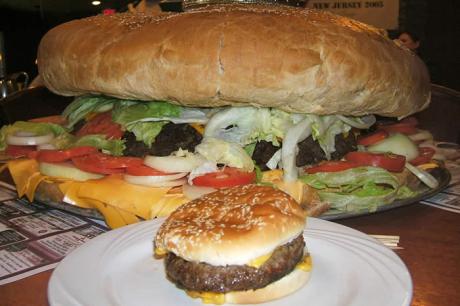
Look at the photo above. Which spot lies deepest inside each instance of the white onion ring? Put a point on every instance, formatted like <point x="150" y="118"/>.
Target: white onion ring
<point x="194" y="192"/>
<point x="294" y="135"/>
<point x="423" y="175"/>
<point x="28" y="139"/>
<point x="173" y="164"/>
<point x="156" y="180"/>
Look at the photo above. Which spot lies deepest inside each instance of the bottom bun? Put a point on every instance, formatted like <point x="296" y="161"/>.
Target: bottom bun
<point x="282" y="287"/>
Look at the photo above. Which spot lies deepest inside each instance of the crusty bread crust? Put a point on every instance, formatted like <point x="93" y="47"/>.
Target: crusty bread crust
<point x="298" y="60"/>
<point x="232" y="226"/>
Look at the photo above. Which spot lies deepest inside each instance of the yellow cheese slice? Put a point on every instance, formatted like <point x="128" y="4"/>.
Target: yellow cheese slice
<point x="114" y="191"/>
<point x="306" y="264"/>
<point x="113" y="216"/>
<point x="428" y="166"/>
<point x="26" y="176"/>
<point x="259" y="261"/>
<point x="208" y="297"/>
<point x="167" y="204"/>
<point x="275" y="177"/>
<point x="120" y="202"/>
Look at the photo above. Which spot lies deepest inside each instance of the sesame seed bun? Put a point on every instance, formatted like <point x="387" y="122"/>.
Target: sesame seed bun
<point x="232" y="226"/>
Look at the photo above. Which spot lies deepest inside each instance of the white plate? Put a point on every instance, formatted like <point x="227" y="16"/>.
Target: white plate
<point x="117" y="268"/>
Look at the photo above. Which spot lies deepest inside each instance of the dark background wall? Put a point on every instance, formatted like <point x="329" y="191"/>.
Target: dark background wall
<point x="23" y="23"/>
<point x="437" y="23"/>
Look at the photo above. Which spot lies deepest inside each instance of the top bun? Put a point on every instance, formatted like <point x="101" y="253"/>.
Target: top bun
<point x="232" y="226"/>
<point x="294" y="59"/>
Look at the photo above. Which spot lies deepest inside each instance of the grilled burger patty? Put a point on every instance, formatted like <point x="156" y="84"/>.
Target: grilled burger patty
<point x="171" y="138"/>
<point x="204" y="277"/>
<point x="310" y="151"/>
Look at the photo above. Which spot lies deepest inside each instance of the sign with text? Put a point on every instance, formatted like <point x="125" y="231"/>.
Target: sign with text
<point x="379" y="13"/>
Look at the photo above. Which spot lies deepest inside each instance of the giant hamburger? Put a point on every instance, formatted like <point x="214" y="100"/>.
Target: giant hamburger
<point x="177" y="105"/>
<point x="238" y="245"/>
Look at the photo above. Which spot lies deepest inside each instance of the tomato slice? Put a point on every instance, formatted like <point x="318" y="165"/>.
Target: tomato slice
<point x="19" y="151"/>
<point x="373" y="138"/>
<point x="388" y="161"/>
<point x="227" y="177"/>
<point x="111" y="162"/>
<point x="143" y="170"/>
<point x="57" y="156"/>
<point x="90" y="164"/>
<point x="57" y="119"/>
<point x="101" y="124"/>
<point x="331" y="166"/>
<point x="425" y="155"/>
<point x="406" y="126"/>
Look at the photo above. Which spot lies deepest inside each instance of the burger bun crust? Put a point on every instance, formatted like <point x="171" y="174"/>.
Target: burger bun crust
<point x="232" y="226"/>
<point x="297" y="60"/>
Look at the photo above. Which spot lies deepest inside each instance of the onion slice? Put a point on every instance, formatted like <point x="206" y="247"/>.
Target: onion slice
<point x="28" y="139"/>
<point x="294" y="135"/>
<point x="173" y="163"/>
<point x="66" y="170"/>
<point x="193" y="192"/>
<point x="423" y="175"/>
<point x="157" y="180"/>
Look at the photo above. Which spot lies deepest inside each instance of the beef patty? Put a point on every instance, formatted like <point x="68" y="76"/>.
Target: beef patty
<point x="204" y="277"/>
<point x="171" y="138"/>
<point x="310" y="151"/>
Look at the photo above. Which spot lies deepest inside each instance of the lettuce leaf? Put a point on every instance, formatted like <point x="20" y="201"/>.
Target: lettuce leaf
<point x="362" y="188"/>
<point x="37" y="128"/>
<point x="146" y="131"/>
<point x="84" y="105"/>
<point x="109" y="146"/>
<point x="127" y="115"/>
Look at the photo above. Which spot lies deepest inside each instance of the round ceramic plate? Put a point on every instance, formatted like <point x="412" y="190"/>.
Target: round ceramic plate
<point x="118" y="268"/>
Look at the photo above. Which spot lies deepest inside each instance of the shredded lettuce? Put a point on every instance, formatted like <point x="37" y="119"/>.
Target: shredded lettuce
<point x="357" y="189"/>
<point x="245" y="125"/>
<point x="327" y="140"/>
<point x="223" y="152"/>
<point x="84" y="105"/>
<point x="109" y="146"/>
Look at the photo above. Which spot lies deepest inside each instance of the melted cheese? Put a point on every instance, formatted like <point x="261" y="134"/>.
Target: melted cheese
<point x="208" y="297"/>
<point x="160" y="252"/>
<point x="198" y="127"/>
<point x="305" y="264"/>
<point x="428" y="166"/>
<point x="259" y="261"/>
<point x="294" y="189"/>
<point x="23" y="172"/>
<point x="121" y="203"/>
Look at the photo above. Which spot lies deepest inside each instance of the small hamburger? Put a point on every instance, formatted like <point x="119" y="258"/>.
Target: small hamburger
<point x="239" y="245"/>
